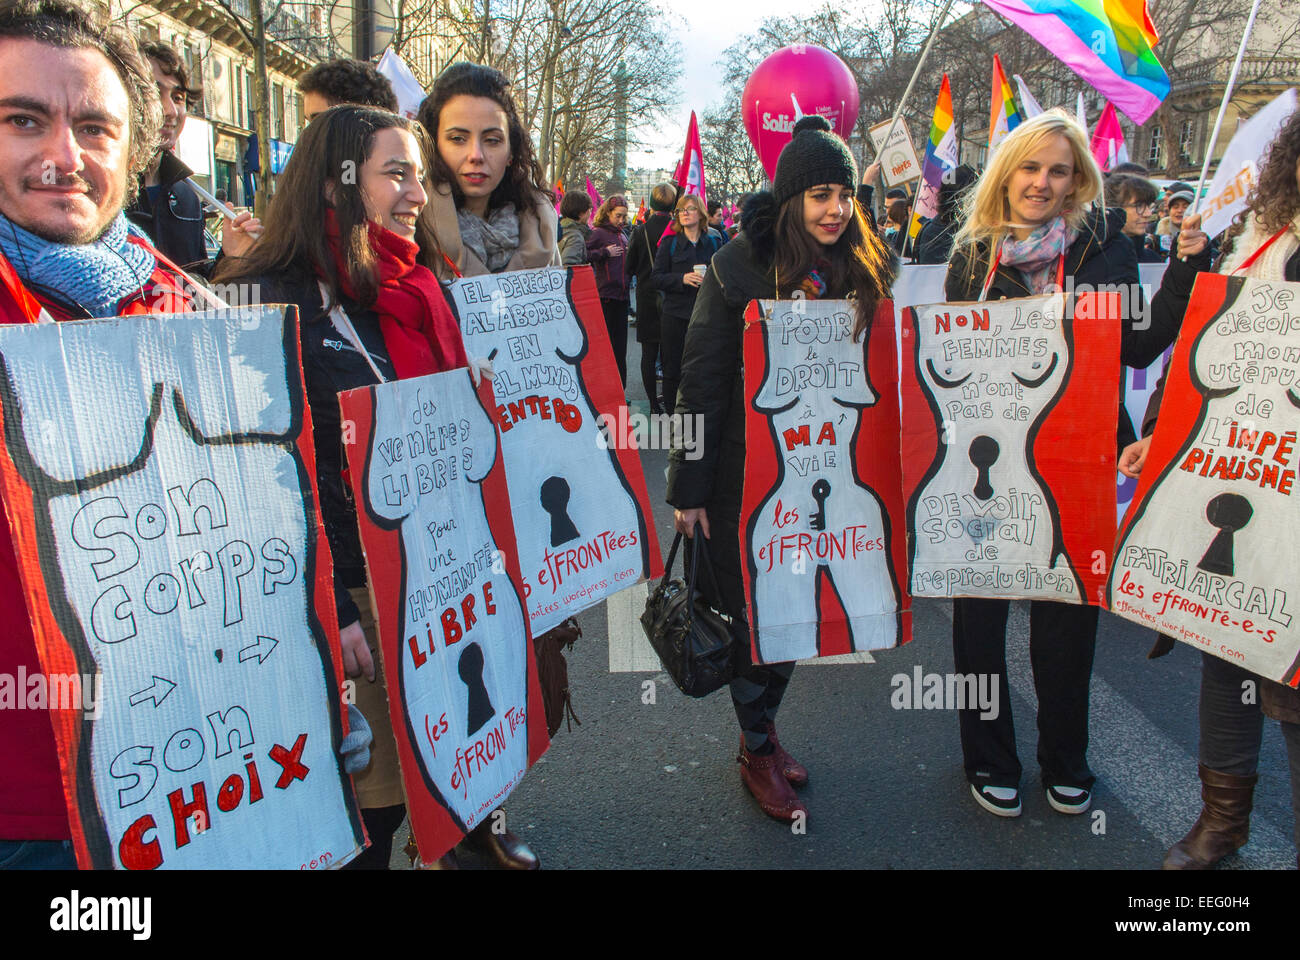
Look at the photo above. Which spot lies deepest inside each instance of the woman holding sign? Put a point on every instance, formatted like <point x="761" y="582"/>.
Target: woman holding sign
<point x="1034" y="224"/>
<point x="1263" y="242"/>
<point x="490" y="212"/>
<point x="344" y="250"/>
<point x="805" y="239"/>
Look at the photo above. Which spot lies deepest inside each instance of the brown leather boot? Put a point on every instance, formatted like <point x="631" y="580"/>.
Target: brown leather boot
<point x="1223" y="826"/>
<point x="794" y="771"/>
<point x="765" y="779"/>
<point x="506" y="849"/>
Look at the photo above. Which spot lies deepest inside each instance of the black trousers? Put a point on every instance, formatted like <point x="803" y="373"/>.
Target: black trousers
<point x="649" y="376"/>
<point x="381" y="824"/>
<point x="671" y="346"/>
<point x="616" y="323"/>
<point x="1062" y="639"/>
<point x="1232" y="727"/>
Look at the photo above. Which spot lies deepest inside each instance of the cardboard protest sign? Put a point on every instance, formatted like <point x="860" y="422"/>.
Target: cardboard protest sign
<point x="898" y="163"/>
<point x="158" y="474"/>
<point x="579" y="499"/>
<point x="440" y="552"/>
<point x="1008" y="443"/>
<point x="822" y="541"/>
<point x="1208" y="551"/>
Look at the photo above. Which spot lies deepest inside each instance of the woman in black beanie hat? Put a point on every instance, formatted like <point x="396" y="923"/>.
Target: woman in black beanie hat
<point x="806" y="235"/>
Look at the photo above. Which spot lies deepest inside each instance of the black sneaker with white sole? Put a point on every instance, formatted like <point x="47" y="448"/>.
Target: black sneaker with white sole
<point x="1069" y="800"/>
<point x="999" y="801"/>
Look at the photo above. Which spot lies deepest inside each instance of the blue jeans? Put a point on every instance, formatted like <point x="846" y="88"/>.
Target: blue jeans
<point x="37" y="855"/>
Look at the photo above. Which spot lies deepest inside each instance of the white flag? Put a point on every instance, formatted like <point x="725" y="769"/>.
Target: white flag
<point x="1081" y="112"/>
<point x="1239" y="169"/>
<point x="409" y="92"/>
<point x="1028" y="105"/>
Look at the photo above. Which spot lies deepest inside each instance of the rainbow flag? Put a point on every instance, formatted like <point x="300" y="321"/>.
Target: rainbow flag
<point x="940" y="156"/>
<point x="1004" y="116"/>
<point x="1109" y="43"/>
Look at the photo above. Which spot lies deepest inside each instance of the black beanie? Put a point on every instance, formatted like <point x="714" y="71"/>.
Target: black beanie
<point x="815" y="155"/>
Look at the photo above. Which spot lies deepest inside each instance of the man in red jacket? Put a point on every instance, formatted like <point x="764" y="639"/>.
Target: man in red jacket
<point x="79" y="120"/>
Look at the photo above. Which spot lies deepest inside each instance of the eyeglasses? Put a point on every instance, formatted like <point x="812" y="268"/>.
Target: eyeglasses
<point x="1140" y="207"/>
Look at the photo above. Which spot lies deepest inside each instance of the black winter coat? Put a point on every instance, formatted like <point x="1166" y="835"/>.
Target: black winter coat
<point x="640" y="264"/>
<point x="331" y="365"/>
<point x="934" y="242"/>
<point x="174" y="221"/>
<point x="677" y="257"/>
<point x="1101" y="256"/>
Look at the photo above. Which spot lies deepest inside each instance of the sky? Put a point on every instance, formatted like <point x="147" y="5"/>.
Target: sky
<point x="710" y="26"/>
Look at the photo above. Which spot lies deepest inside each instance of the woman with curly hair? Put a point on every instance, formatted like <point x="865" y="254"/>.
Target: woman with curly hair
<point x="1263" y="242"/>
<point x="805" y="239"/>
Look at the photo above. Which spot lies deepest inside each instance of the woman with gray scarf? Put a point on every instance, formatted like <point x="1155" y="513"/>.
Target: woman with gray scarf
<point x="489" y="207"/>
<point x="490" y="212"/>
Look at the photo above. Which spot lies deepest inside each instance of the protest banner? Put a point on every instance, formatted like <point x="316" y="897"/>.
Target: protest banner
<point x="436" y="530"/>
<point x="1238" y="169"/>
<point x="577" y="493"/>
<point x="822" y="538"/>
<point x="158" y="475"/>
<point x="1208" y="550"/>
<point x="1008" y="446"/>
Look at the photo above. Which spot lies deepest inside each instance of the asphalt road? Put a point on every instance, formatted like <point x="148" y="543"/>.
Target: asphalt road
<point x="656" y="785"/>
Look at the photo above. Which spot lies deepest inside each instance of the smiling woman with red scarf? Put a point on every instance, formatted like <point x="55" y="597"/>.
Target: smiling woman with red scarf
<point x="341" y="242"/>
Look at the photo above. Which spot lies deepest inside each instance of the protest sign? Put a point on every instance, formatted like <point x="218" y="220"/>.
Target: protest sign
<point x="1208" y="550"/>
<point x="1008" y="446"/>
<point x="577" y="493"/>
<point x="1138" y="385"/>
<point x="158" y="478"/>
<point x="440" y="552"/>
<point x="822" y="539"/>
<point x="898" y="163"/>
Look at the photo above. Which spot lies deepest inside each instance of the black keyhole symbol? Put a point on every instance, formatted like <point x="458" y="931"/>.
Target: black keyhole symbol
<point x="820" y="491"/>
<point x="1229" y="512"/>
<point x="555" y="501"/>
<point x="983" y="453"/>
<point x="470" y="668"/>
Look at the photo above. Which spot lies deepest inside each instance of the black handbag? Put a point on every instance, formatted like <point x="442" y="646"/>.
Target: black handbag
<point x="695" y="643"/>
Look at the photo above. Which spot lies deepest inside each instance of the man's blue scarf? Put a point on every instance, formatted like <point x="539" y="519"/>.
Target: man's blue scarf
<point x="96" y="276"/>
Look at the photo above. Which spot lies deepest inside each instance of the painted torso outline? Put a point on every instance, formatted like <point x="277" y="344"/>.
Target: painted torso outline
<point x="819" y="491"/>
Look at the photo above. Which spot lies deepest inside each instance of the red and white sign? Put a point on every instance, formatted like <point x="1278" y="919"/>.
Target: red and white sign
<point x="1208" y="550"/>
<point x="1008" y="442"/>
<point x="821" y="527"/>
<point x="440" y="552"/>
<point x="158" y="478"/>
<point x="578" y="496"/>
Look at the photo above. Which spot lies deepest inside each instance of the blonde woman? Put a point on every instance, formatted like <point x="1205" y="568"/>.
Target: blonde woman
<point x="1035" y="222"/>
<point x="678" y="273"/>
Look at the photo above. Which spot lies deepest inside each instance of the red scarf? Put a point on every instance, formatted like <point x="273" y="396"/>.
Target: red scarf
<point x="419" y="331"/>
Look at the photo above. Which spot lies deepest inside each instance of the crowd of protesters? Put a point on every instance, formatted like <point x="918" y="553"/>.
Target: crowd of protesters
<point x="459" y="192"/>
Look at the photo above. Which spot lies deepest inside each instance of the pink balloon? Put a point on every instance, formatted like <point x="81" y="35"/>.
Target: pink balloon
<point x="796" y="81"/>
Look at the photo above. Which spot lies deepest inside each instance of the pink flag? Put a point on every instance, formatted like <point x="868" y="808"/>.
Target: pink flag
<point x="596" y="201"/>
<point x="690" y="172"/>
<point x="1108" y="140"/>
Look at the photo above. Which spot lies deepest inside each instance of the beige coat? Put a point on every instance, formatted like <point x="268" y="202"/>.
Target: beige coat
<point x="537" y="230"/>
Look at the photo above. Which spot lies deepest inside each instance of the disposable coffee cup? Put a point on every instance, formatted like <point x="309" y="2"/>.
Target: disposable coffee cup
<point x="701" y="268"/>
